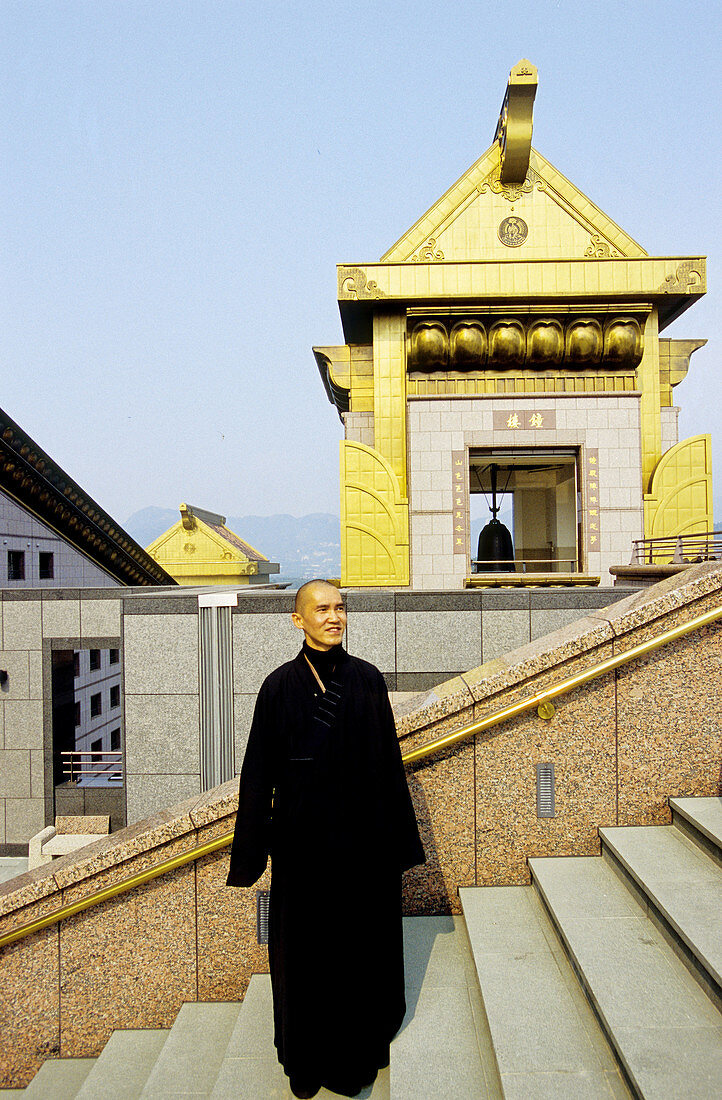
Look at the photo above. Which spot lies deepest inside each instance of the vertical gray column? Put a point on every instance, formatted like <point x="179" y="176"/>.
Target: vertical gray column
<point x="216" y="688"/>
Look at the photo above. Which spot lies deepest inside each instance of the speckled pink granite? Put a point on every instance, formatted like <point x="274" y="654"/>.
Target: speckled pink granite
<point x="621" y="746"/>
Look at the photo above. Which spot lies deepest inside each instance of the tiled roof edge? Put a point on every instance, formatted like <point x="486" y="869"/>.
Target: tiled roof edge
<point x="31" y="477"/>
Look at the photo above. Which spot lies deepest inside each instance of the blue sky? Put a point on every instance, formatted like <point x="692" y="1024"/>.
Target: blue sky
<point x="179" y="180"/>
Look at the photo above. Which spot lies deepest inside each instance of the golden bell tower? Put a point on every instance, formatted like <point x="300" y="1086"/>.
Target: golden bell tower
<point x="514" y="326"/>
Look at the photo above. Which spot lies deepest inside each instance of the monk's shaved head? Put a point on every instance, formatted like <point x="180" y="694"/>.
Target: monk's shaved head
<point x="320" y="614"/>
<point x="307" y="591"/>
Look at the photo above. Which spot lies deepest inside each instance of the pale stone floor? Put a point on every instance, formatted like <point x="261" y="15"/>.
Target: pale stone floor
<point x="10" y="866"/>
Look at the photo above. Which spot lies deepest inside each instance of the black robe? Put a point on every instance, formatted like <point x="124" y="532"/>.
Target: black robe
<point x="323" y="791"/>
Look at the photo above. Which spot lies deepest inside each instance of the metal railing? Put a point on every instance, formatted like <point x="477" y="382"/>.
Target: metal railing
<point x="413" y="756"/>
<point x="678" y="549"/>
<point x="524" y="565"/>
<point x="85" y="765"/>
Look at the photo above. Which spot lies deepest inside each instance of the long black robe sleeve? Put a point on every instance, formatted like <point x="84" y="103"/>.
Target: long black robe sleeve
<point x="410" y="848"/>
<point x="252" y="835"/>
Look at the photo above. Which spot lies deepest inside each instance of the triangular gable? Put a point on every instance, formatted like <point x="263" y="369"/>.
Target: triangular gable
<point x="157" y="544"/>
<point x="248" y="552"/>
<point x="466" y="222"/>
<point x="208" y="542"/>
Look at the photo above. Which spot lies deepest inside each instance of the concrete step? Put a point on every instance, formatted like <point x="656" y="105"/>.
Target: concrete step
<point x="191" y="1057"/>
<point x="443" y="1048"/>
<point x="546" y="1039"/>
<point x="250" y="1066"/>
<point x="666" y="1033"/>
<point x="680" y="887"/>
<point x="700" y="819"/>
<point x="123" y="1066"/>
<point x="437" y="1053"/>
<point x="59" y="1078"/>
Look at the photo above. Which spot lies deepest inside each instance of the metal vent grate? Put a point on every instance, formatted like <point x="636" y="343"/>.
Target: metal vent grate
<point x="545" y="790"/>
<point x="263" y="898"/>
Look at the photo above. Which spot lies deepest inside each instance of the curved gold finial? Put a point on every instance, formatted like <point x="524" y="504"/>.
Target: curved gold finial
<point x="187" y="518"/>
<point x="513" y="130"/>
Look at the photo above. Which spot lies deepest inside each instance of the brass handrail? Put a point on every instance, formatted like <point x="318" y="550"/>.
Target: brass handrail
<point x="122" y="887"/>
<point x="562" y="687"/>
<point x="412" y="756"/>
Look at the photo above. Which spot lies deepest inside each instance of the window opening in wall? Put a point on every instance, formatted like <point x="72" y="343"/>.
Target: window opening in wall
<point x="87" y="739"/>
<point x="113" y="656"/>
<point x="16" y="565"/>
<point x="46" y="565"/>
<point x="534" y="493"/>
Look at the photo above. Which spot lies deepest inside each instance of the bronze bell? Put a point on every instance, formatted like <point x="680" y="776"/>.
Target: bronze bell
<point x="495" y="552"/>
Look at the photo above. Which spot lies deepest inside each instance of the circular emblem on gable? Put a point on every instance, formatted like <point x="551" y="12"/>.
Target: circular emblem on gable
<point x="513" y="232"/>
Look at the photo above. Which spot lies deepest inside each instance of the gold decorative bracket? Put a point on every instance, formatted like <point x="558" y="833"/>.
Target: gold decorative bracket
<point x="513" y="130"/>
<point x="187" y="518"/>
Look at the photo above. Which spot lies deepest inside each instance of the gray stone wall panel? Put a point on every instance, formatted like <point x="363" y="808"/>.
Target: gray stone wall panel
<point x="161" y="654"/>
<point x="161" y="734"/>
<point x="448" y="641"/>
<point x="260" y="644"/>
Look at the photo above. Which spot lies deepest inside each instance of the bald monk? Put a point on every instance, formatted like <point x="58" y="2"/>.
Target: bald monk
<point x="323" y="791"/>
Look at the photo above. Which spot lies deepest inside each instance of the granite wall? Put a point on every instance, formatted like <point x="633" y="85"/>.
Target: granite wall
<point x="621" y="746"/>
<point x="416" y="639"/>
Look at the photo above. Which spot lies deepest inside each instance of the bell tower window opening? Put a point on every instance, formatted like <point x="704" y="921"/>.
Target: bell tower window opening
<point x="524" y="510"/>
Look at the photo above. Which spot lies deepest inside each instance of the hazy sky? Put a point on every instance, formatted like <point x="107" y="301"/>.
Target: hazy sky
<point x="180" y="178"/>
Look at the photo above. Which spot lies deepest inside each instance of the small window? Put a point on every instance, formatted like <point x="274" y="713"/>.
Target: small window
<point x="46" y="567"/>
<point x="96" y="748"/>
<point x="115" y="695"/>
<point x="76" y="663"/>
<point x="115" y="739"/>
<point x="114" y="656"/>
<point x="96" y="705"/>
<point x="77" y="714"/>
<point x="16" y="565"/>
<point x="94" y="660"/>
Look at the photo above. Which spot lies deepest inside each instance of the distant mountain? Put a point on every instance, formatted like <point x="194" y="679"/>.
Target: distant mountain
<point x="148" y="523"/>
<point x="304" y="546"/>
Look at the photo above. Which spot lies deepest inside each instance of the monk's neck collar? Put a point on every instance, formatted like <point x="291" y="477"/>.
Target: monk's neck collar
<point x="324" y="660"/>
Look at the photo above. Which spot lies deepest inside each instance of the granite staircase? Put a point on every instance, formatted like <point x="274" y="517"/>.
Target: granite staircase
<point x="602" y="979"/>
<point x="640" y="928"/>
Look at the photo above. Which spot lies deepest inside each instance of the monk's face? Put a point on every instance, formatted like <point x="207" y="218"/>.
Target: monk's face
<point x="321" y="616"/>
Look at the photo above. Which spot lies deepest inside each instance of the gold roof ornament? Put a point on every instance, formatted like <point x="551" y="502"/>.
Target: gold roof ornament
<point x="200" y="550"/>
<point x="513" y="130"/>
